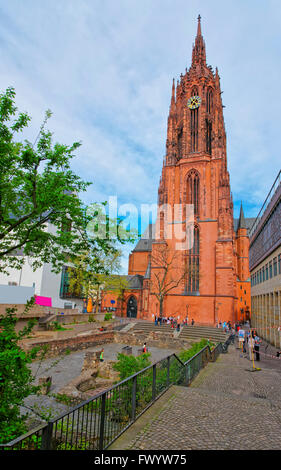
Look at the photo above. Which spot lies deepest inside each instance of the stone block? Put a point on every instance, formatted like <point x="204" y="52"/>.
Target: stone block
<point x="45" y="384"/>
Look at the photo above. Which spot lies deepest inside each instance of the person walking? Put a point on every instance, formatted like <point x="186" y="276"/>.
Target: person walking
<point x="244" y="345"/>
<point x="144" y="348"/>
<point x="257" y="347"/>
<point x="192" y="322"/>
<point x="251" y="344"/>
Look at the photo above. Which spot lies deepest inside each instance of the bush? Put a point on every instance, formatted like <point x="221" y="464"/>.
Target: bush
<point x="195" y="348"/>
<point x="129" y="365"/>
<point x="108" y="316"/>
<point x="56" y="326"/>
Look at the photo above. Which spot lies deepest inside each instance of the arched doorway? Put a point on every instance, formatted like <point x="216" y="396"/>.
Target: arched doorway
<point x="132" y="307"/>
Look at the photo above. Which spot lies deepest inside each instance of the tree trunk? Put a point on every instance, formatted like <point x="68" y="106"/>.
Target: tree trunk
<point x="97" y="301"/>
<point x="161" y="302"/>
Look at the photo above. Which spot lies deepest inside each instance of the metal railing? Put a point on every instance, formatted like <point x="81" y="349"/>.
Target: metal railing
<point x="96" y="423"/>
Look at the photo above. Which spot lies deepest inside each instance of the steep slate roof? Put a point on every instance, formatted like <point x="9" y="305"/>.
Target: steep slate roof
<point x="148" y="271"/>
<point x="145" y="242"/>
<point x="247" y="221"/>
<point x="241" y="223"/>
<point x="135" y="282"/>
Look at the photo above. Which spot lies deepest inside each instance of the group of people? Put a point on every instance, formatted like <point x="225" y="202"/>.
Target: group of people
<point x="226" y="326"/>
<point x="253" y="341"/>
<point x="175" y="323"/>
<point x="246" y="337"/>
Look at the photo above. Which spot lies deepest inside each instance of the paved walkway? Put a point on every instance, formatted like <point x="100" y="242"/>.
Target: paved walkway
<point x="227" y="407"/>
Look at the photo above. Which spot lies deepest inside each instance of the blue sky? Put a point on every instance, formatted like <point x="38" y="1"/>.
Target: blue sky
<point x="105" y="69"/>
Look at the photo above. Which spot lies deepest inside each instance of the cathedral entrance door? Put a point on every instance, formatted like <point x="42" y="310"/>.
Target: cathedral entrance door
<point x="132" y="307"/>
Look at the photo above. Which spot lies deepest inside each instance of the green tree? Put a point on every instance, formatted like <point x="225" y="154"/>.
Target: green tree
<point x="88" y="280"/>
<point x="16" y="380"/>
<point x="37" y="186"/>
<point x="41" y="216"/>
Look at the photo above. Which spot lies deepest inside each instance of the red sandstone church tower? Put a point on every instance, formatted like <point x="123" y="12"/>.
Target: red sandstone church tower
<point x="194" y="173"/>
<point x="207" y="279"/>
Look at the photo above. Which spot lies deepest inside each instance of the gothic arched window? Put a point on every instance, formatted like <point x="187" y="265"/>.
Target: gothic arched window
<point x="209" y="100"/>
<point x="194" y="129"/>
<point x="193" y="263"/>
<point x="192" y="190"/>
<point x="208" y="136"/>
<point x="194" y="123"/>
<point x="194" y="91"/>
<point x="180" y="143"/>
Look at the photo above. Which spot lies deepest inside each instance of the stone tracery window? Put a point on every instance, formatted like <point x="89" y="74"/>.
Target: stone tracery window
<point x="192" y="190"/>
<point x="208" y="136"/>
<point x="209" y="100"/>
<point x="194" y="123"/>
<point x="193" y="263"/>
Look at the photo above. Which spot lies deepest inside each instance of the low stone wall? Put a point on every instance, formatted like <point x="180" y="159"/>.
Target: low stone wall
<point x="37" y="310"/>
<point x="63" y="344"/>
<point x="76" y="343"/>
<point x="153" y="339"/>
<point x="63" y="315"/>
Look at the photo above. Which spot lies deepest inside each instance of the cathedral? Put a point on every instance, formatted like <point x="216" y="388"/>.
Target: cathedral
<point x="194" y="261"/>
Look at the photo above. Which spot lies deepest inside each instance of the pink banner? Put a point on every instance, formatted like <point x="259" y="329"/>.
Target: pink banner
<point x="46" y="301"/>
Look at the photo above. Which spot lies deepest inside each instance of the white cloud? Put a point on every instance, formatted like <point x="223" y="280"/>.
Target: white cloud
<point x="105" y="69"/>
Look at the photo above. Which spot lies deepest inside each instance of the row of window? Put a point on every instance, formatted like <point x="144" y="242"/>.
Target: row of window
<point x="271" y="269"/>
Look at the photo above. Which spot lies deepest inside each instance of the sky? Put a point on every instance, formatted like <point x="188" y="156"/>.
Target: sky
<point x="105" y="69"/>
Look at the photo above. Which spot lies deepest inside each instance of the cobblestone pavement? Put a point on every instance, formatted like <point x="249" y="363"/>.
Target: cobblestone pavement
<point x="228" y="406"/>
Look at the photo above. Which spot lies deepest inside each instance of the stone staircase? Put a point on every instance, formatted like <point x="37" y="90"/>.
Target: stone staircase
<point x="198" y="332"/>
<point x="187" y="333"/>
<point x="43" y="322"/>
<point x="147" y="326"/>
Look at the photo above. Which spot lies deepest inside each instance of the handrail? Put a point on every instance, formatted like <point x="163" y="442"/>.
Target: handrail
<point x="193" y="357"/>
<point x="24" y="436"/>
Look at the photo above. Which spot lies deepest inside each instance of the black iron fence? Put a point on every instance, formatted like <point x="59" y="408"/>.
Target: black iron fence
<point x="96" y="423"/>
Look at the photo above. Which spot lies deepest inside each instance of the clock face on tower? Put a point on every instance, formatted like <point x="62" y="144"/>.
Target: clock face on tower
<point x="194" y="102"/>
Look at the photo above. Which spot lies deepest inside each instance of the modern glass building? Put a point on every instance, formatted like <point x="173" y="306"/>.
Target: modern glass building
<point x="265" y="267"/>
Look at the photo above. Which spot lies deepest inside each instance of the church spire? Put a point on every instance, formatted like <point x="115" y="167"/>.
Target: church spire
<point x="242" y="222"/>
<point x="173" y="92"/>
<point x="173" y="98"/>
<point x="199" y="52"/>
<point x="199" y="26"/>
